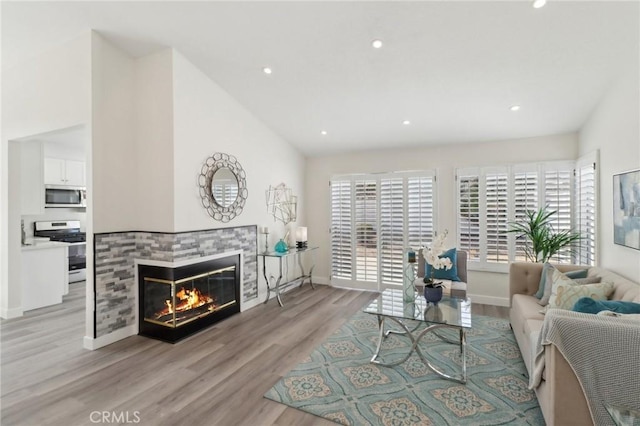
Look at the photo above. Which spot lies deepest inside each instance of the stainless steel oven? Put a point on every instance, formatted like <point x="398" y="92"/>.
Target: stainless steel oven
<point x="67" y="231"/>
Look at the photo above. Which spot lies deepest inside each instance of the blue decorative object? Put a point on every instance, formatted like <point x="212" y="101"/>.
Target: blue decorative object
<point x="433" y="294"/>
<point x="445" y="274"/>
<point x="588" y="305"/>
<point x="281" y="246"/>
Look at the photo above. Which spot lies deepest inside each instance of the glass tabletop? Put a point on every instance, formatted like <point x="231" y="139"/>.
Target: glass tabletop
<point x="292" y="251"/>
<point x="449" y="310"/>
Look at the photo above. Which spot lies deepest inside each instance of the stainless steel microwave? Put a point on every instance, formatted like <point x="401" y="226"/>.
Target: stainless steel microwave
<point x="65" y="196"/>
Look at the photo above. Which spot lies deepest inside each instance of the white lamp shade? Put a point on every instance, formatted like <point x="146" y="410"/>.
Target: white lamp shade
<point x="301" y="234"/>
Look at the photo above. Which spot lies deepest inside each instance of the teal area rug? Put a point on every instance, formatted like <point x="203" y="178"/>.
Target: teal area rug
<point x="338" y="382"/>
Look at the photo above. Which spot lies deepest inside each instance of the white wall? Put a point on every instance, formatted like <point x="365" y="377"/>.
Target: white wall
<point x="48" y="92"/>
<point x="208" y="120"/>
<point x="614" y="129"/>
<point x="486" y="287"/>
<point x="154" y="166"/>
<point x="114" y="172"/>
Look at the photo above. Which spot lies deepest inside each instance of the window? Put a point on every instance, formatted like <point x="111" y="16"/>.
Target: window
<point x="525" y="198"/>
<point x="490" y="198"/>
<point x="469" y="216"/>
<point x="496" y="216"/>
<point x="373" y="219"/>
<point x="585" y="208"/>
<point x="341" y="229"/>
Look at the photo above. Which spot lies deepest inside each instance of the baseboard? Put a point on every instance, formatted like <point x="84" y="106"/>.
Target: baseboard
<point x="489" y="300"/>
<point x="102" y="341"/>
<point x="11" y="313"/>
<point x="250" y="304"/>
<point x="321" y="280"/>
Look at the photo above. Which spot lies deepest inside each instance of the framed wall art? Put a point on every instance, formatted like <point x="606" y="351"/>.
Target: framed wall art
<point x="626" y="209"/>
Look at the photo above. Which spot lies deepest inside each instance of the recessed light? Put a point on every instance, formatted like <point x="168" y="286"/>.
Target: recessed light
<point x="515" y="108"/>
<point x="323" y="133"/>
<point x="406" y="122"/>
<point x="267" y="70"/>
<point x="537" y="4"/>
<point x="377" y="44"/>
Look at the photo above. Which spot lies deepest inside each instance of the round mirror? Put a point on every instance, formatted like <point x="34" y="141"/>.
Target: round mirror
<point x="224" y="187"/>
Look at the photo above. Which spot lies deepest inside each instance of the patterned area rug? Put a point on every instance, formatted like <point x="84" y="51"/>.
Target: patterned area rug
<point x="337" y="381"/>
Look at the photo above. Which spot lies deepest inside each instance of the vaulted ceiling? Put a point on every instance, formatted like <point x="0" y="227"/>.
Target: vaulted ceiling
<point x="452" y="69"/>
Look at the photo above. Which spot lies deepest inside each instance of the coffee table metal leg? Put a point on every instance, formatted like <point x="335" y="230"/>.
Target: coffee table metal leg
<point x="381" y="337"/>
<point x="414" y="347"/>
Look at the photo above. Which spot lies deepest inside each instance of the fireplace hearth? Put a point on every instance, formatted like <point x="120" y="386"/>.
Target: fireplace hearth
<point x="175" y="302"/>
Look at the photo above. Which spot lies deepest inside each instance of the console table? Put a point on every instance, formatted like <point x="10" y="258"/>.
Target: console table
<point x="279" y="284"/>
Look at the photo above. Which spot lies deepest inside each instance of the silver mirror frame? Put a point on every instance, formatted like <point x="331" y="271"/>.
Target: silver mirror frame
<point x="214" y="163"/>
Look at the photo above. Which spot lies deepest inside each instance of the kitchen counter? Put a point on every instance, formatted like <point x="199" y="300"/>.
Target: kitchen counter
<point x="42" y="244"/>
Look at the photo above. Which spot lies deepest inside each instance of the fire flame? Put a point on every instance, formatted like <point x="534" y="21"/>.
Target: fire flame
<point x="189" y="299"/>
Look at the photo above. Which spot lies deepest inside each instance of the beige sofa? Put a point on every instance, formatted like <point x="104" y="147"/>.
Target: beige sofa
<point x="560" y="394"/>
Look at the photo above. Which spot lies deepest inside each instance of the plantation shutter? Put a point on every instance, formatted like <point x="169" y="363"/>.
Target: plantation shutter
<point x="341" y="231"/>
<point x="525" y="198"/>
<point x="366" y="223"/>
<point x="497" y="247"/>
<point x="391" y="230"/>
<point x="469" y="215"/>
<point x="420" y="211"/>
<point x="557" y="198"/>
<point x="585" y="209"/>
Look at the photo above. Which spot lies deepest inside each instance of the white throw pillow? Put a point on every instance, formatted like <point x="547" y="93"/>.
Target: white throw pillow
<point x="566" y="292"/>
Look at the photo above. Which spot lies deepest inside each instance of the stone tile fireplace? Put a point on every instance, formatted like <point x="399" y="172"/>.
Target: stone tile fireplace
<point x="177" y="300"/>
<point x="116" y="288"/>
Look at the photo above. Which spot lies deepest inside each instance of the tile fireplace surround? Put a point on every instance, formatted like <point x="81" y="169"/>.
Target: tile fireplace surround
<point x="115" y="254"/>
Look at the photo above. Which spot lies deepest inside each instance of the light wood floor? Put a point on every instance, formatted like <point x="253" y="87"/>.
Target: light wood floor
<point x="216" y="377"/>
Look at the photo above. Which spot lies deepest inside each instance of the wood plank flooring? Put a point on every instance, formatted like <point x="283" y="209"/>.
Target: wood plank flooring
<point x="216" y="377"/>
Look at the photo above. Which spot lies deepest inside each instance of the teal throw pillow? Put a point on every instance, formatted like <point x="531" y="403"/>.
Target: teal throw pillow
<point x="589" y="306"/>
<point x="579" y="273"/>
<point x="445" y="274"/>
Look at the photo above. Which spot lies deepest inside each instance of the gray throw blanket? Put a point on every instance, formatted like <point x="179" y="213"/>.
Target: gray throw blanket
<point x="604" y="353"/>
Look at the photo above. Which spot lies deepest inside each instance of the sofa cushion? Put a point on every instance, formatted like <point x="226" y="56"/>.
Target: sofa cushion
<point x="575" y="275"/>
<point x="526" y="306"/>
<point x="445" y="274"/>
<point x="566" y="292"/>
<point x="624" y="288"/>
<point x="580" y="273"/>
<point x="591" y="306"/>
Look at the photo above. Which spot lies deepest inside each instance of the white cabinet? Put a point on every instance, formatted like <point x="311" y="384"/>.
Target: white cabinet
<point x="64" y="172"/>
<point x="31" y="187"/>
<point x="45" y="275"/>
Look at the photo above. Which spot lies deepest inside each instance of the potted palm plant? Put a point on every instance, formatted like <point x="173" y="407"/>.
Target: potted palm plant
<point x="541" y="240"/>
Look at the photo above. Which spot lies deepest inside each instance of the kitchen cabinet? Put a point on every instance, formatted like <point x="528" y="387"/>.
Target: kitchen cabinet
<point x="45" y="276"/>
<point x="58" y="171"/>
<point x="31" y="178"/>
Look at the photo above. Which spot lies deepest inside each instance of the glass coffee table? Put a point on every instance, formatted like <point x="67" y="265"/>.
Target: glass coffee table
<point x="449" y="313"/>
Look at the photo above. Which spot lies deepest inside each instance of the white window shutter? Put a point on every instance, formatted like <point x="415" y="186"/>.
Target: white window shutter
<point x="525" y="198"/>
<point x="341" y="229"/>
<point x="497" y="246"/>
<point x="469" y="215"/>
<point x="366" y="230"/>
<point x="585" y="209"/>
<point x="391" y="230"/>
<point x="557" y="196"/>
<point x="420" y="211"/>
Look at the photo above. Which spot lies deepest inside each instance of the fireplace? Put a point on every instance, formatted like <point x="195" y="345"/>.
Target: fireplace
<point x="175" y="302"/>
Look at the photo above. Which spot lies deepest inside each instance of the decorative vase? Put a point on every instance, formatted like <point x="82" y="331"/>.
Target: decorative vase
<point x="408" y="284"/>
<point x="281" y="246"/>
<point x="433" y="294"/>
